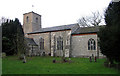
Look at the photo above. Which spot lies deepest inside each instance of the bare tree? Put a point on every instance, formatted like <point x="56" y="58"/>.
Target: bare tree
<point x="83" y="22"/>
<point x="3" y="20"/>
<point x="94" y="20"/>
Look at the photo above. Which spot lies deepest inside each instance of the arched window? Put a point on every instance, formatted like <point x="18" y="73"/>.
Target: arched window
<point x="41" y="43"/>
<point x="91" y="44"/>
<point x="27" y="19"/>
<point x="59" y="43"/>
<point x="36" y="20"/>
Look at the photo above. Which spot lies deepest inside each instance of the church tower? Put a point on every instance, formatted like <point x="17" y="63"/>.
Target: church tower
<point x="31" y="22"/>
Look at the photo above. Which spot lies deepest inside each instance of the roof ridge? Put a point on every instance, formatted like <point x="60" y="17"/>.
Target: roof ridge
<point x="61" y="25"/>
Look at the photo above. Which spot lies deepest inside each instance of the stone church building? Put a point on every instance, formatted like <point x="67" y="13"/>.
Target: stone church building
<point x="66" y="40"/>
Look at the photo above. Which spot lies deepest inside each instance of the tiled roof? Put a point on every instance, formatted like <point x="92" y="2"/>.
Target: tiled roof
<point x="83" y="30"/>
<point x="31" y="41"/>
<point x="72" y="27"/>
<point x="56" y="28"/>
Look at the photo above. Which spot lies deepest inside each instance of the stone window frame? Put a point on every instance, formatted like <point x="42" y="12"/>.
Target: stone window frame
<point x="27" y="19"/>
<point x="41" y="42"/>
<point x="36" y="19"/>
<point x="59" y="43"/>
<point x="91" y="44"/>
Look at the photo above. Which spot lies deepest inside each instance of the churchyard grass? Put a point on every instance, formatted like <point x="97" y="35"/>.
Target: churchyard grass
<point x="44" y="65"/>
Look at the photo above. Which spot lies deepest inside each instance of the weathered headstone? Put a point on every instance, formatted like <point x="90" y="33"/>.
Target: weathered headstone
<point x="90" y="59"/>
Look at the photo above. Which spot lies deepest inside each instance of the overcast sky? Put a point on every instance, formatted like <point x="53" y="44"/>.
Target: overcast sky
<point x="54" y="12"/>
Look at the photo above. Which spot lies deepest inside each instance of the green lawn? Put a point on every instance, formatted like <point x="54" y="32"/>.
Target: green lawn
<point x="44" y="65"/>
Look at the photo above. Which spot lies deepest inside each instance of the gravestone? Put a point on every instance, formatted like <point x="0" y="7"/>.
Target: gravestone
<point x="90" y="59"/>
